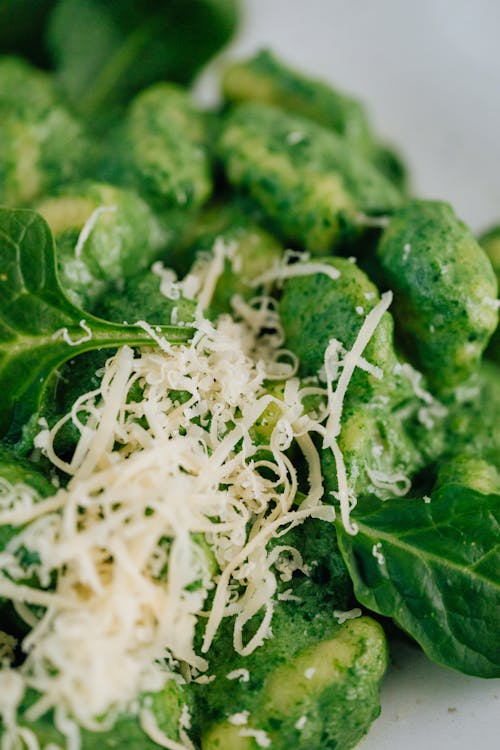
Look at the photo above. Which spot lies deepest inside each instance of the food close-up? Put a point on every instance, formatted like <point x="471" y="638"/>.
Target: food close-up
<point x="250" y="420"/>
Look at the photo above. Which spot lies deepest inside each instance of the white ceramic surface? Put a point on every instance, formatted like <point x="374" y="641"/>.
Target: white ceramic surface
<point x="429" y="72"/>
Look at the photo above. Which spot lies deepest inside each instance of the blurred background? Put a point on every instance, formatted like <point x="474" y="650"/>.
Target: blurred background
<point x="429" y="72"/>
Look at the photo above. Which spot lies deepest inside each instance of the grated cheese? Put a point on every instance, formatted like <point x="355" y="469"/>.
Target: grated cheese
<point x="162" y="342"/>
<point x="103" y="533"/>
<point x="242" y="675"/>
<point x="300" y="723"/>
<point x="335" y="404"/>
<point x="208" y="268"/>
<point x="294" y="137"/>
<point x="64" y="334"/>
<point x="377" y="553"/>
<point x="150" y="727"/>
<point x="432" y="409"/>
<point x="282" y="271"/>
<point x="146" y="479"/>
<point x="89" y="226"/>
<point x="261" y="738"/>
<point x="397" y="482"/>
<point x="288" y="596"/>
<point x="351" y="360"/>
<point x="239" y="719"/>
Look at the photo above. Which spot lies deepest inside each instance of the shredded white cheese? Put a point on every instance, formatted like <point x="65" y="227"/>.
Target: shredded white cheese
<point x="432" y="409"/>
<point x="153" y="731"/>
<point x="397" y="482"/>
<point x="350" y="614"/>
<point x="162" y="342"/>
<point x="283" y="271"/>
<point x="336" y="400"/>
<point x="377" y="553"/>
<point x="208" y="269"/>
<point x="148" y="478"/>
<point x="351" y="361"/>
<point x="261" y="738"/>
<point x="239" y="719"/>
<point x="63" y="333"/>
<point x="294" y="137"/>
<point x="243" y="675"/>
<point x="169" y="498"/>
<point x="89" y="226"/>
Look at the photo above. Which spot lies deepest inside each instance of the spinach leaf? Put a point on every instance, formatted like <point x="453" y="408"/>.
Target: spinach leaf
<point x="434" y="567"/>
<point x="105" y="52"/>
<point x="40" y="328"/>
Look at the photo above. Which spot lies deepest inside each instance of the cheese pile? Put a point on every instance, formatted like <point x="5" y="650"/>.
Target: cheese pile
<point x="165" y="520"/>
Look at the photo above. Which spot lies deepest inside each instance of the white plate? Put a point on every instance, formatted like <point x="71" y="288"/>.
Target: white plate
<point x="429" y="72"/>
<point x="426" y="707"/>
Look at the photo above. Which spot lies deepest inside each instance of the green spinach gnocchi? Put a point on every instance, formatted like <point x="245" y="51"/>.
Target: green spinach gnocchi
<point x="250" y="420"/>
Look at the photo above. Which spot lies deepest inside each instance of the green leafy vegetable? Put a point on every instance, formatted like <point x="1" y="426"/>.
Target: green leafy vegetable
<point x="434" y="568"/>
<point x="21" y="22"/>
<point x="106" y="52"/>
<point x="40" y="328"/>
